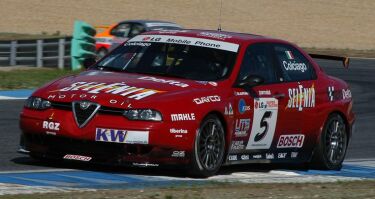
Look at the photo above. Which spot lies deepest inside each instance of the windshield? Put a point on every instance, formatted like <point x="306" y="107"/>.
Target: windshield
<point x="169" y="59"/>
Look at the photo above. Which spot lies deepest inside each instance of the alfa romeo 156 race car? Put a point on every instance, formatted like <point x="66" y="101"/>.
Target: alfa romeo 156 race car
<point x="197" y="98"/>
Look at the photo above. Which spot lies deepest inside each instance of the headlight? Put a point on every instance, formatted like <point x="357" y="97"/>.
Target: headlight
<point x="143" y="114"/>
<point x="37" y="103"/>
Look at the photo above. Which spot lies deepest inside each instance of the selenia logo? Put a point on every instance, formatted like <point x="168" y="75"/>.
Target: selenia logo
<point x="113" y="88"/>
<point x="301" y="97"/>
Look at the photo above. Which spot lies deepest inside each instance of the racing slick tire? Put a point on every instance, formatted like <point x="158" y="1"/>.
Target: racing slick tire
<point x="331" y="149"/>
<point x="209" y="148"/>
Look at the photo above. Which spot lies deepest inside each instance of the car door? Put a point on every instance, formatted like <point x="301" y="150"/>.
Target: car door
<point x="260" y="110"/>
<point x="299" y="78"/>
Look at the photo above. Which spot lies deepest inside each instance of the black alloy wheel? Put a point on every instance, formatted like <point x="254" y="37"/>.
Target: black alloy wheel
<point x="209" y="147"/>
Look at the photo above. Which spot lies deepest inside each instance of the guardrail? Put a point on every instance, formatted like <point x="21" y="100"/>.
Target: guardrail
<point x="37" y="52"/>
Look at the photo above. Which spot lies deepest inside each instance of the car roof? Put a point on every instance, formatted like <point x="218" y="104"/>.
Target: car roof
<point x="232" y="37"/>
<point x="147" y="22"/>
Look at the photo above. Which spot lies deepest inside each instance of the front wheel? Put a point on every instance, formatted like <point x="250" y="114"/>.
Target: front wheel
<point x="209" y="147"/>
<point x="331" y="149"/>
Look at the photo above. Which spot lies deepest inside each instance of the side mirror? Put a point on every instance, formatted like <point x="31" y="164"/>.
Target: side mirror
<point x="87" y="62"/>
<point x="250" y="81"/>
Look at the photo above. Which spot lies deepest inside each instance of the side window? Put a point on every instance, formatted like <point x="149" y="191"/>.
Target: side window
<point x="293" y="64"/>
<point x="122" y="30"/>
<point x="136" y="30"/>
<point x="258" y="60"/>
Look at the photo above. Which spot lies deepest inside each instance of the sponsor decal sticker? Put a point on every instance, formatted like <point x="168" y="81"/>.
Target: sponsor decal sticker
<point x="293" y="66"/>
<point x="331" y="92"/>
<point x="183" y="117"/>
<point x="242" y="93"/>
<point x="121" y="136"/>
<point x="145" y="164"/>
<point x="228" y="110"/>
<point x="238" y="145"/>
<point x="208" y="99"/>
<point x="232" y="157"/>
<point x="291" y="141"/>
<point x="242" y="106"/>
<point x="53" y="126"/>
<point x="257" y="156"/>
<point x="171" y="82"/>
<point x="301" y="97"/>
<point x="264" y="123"/>
<point x="178" y="154"/>
<point x="281" y="155"/>
<point x="178" y="132"/>
<point x="215" y="35"/>
<point x="265" y="92"/>
<point x="187" y="41"/>
<point x="270" y="156"/>
<point x="245" y="157"/>
<point x="109" y="88"/>
<point x="143" y="44"/>
<point x="346" y="94"/>
<point x="242" y="127"/>
<point x="77" y="157"/>
<point x="293" y="154"/>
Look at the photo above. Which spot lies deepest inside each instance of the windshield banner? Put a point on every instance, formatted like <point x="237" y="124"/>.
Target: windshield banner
<point x="186" y="41"/>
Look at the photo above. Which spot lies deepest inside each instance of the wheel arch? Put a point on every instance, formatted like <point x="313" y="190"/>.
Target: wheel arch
<point x="225" y="126"/>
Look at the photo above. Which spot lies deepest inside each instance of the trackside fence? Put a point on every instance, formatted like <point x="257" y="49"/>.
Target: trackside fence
<point x="38" y="52"/>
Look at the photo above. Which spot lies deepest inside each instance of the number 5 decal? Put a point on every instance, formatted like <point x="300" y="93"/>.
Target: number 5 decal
<point x="264" y="123"/>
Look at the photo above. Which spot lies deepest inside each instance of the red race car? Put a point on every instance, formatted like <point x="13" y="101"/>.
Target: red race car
<point x="197" y="98"/>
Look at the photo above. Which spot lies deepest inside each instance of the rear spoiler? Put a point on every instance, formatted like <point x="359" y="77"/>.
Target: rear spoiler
<point x="345" y="60"/>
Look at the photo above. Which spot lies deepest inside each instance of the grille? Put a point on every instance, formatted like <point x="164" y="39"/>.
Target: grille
<point x="84" y="111"/>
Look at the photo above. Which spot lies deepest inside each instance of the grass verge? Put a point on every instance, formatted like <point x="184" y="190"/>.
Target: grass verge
<point x="25" y="79"/>
<point x="353" y="189"/>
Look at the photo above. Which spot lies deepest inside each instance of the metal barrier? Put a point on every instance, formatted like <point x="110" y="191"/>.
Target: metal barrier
<point x="38" y="52"/>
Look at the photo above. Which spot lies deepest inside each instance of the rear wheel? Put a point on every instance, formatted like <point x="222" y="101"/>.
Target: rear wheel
<point x="209" y="147"/>
<point x="331" y="149"/>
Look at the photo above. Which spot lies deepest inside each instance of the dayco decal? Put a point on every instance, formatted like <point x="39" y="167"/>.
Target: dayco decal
<point x="113" y="88"/>
<point x="242" y="127"/>
<point x="121" y="136"/>
<point x="301" y="97"/>
<point x="183" y="117"/>
<point x="291" y="141"/>
<point x="208" y="99"/>
<point x="346" y="94"/>
<point x="171" y="82"/>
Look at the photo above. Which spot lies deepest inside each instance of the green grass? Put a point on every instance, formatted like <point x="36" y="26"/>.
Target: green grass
<point x="33" y="78"/>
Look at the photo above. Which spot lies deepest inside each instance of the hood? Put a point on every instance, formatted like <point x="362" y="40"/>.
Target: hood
<point x="117" y="89"/>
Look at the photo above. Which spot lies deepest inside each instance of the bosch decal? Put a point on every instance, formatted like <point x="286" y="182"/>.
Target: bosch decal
<point x="291" y="141"/>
